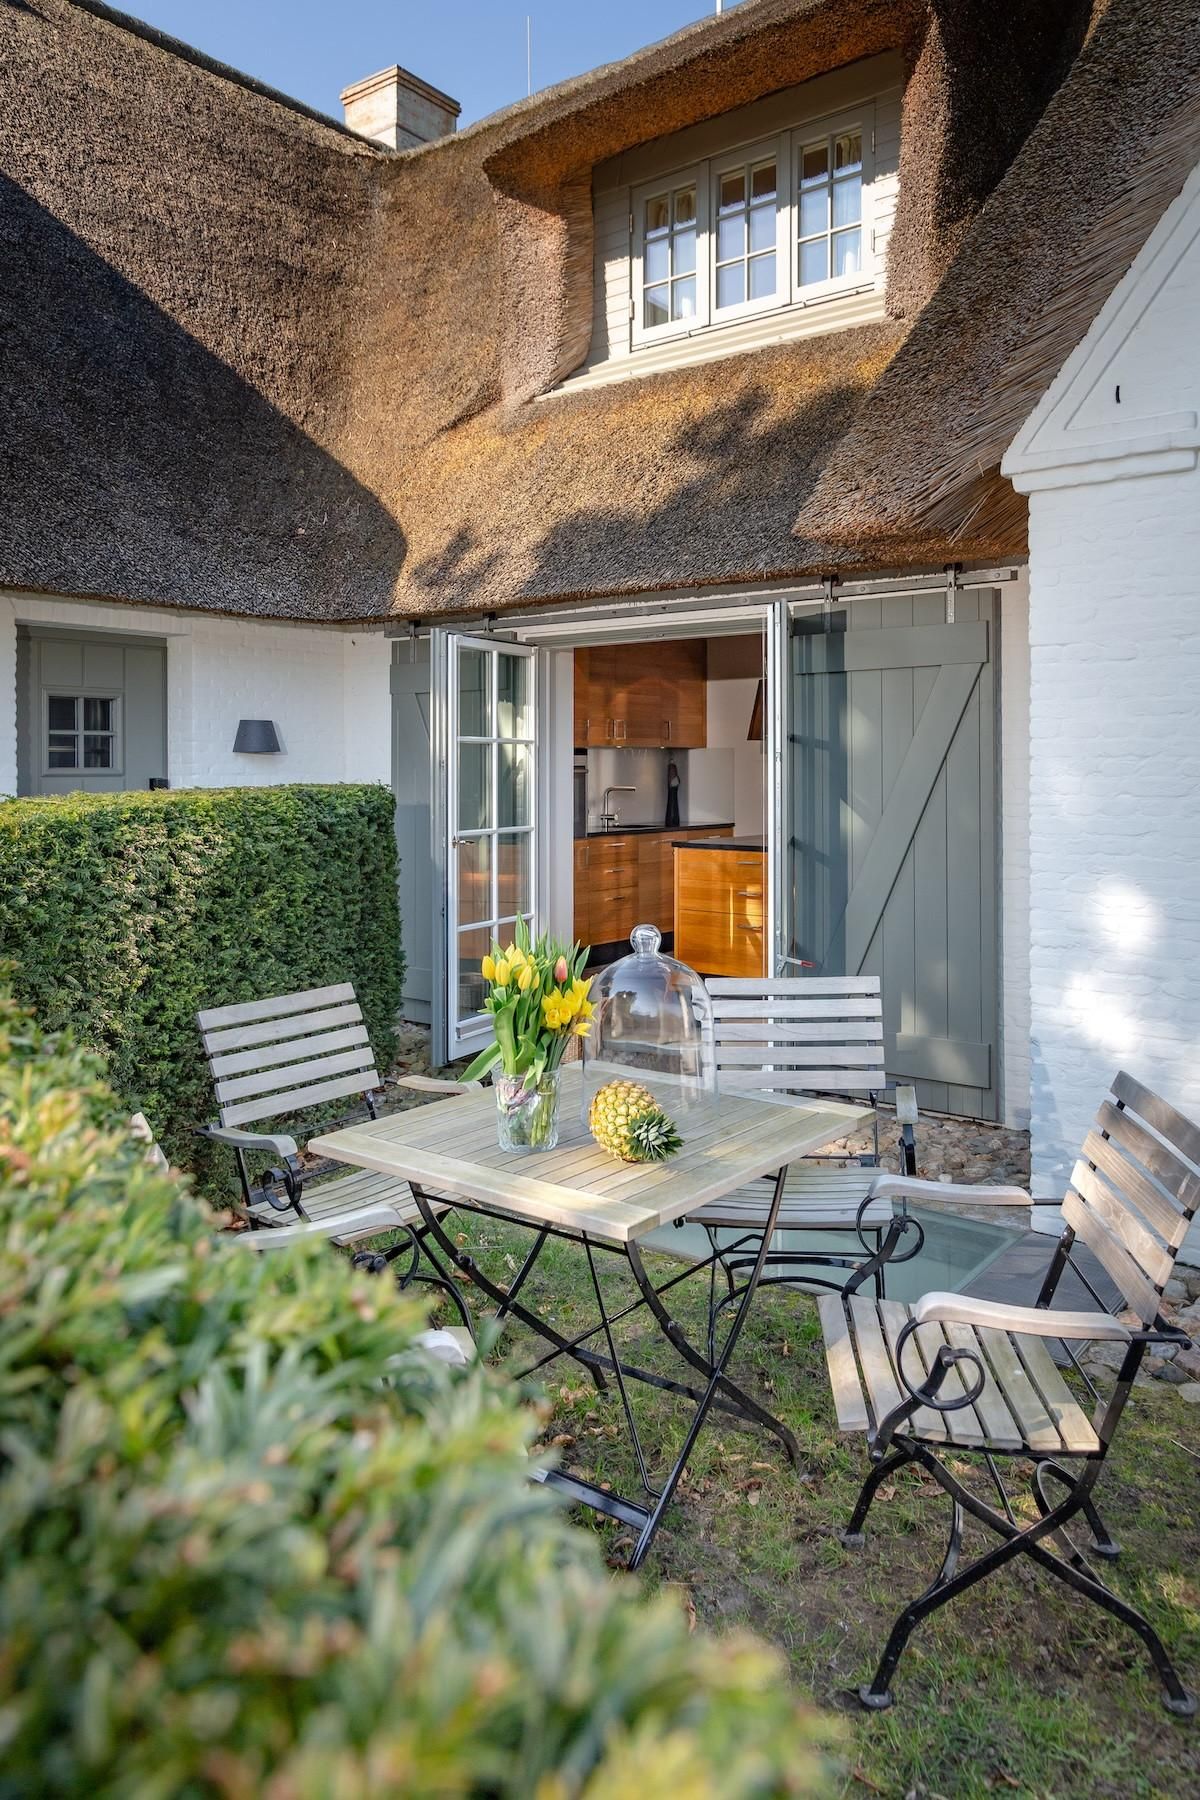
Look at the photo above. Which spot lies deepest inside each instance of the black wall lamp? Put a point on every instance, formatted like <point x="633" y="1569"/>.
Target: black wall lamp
<point x="257" y="737"/>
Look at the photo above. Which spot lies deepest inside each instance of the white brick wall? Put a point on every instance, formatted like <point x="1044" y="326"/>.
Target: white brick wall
<point x="326" y="689"/>
<point x="1115" y="800"/>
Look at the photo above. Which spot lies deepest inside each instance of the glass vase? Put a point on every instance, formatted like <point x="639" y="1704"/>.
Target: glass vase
<point x="527" y="1117"/>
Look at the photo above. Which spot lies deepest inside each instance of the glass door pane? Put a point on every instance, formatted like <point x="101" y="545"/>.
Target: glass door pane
<point x="490" y="858"/>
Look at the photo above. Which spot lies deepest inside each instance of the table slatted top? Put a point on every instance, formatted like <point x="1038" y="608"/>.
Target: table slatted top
<point x="450" y="1147"/>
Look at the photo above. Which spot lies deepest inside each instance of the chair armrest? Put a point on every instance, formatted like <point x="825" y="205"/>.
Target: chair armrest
<point x="908" y="1187"/>
<point x="1033" y="1321"/>
<point x="249" y="1140"/>
<point x="436" y="1084"/>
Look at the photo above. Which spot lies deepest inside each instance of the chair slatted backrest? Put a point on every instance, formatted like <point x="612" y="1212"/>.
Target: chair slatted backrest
<point x="1135" y="1190"/>
<point x="277" y="1056"/>
<point x="802" y="1034"/>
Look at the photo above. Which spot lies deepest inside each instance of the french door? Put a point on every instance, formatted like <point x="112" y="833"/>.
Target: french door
<point x="485" y="779"/>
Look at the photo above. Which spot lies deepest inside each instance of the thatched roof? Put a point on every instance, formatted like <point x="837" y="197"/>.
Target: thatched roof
<point x="255" y="364"/>
<point x="919" y="470"/>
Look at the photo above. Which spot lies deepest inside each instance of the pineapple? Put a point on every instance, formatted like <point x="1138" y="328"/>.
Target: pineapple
<point x="626" y="1120"/>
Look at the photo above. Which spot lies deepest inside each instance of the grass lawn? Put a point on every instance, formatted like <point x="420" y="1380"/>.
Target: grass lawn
<point x="1017" y="1688"/>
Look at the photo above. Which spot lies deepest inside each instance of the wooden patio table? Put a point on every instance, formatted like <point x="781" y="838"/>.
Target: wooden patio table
<point x="448" y="1150"/>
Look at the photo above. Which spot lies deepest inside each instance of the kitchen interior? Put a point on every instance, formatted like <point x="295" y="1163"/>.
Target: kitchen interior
<point x="669" y="799"/>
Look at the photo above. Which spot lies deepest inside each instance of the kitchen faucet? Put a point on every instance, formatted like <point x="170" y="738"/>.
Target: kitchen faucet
<point x="609" y="819"/>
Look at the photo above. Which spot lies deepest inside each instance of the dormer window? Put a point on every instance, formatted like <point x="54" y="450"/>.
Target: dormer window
<point x="770" y="225"/>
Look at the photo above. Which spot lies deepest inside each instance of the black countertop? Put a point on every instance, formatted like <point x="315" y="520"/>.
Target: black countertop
<point x="719" y="843"/>
<point x="662" y="830"/>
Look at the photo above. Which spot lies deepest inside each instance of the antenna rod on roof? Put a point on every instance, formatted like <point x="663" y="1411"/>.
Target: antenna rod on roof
<point x="528" y="54"/>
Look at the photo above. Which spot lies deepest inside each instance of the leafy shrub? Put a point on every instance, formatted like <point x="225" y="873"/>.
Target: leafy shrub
<point x="253" y="1543"/>
<point x="127" y="913"/>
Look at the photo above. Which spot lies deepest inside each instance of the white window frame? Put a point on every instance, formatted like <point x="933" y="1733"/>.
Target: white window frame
<point x="787" y="148"/>
<point x="861" y="119"/>
<point x="696" y="176"/>
<point x="61" y="691"/>
<point x="744" y="158"/>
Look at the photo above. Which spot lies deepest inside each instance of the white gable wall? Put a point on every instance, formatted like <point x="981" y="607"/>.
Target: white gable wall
<point x="1114" y="831"/>
<point x="326" y="689"/>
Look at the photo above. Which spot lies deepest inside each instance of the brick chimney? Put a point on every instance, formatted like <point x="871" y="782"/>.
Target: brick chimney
<point x="399" y="109"/>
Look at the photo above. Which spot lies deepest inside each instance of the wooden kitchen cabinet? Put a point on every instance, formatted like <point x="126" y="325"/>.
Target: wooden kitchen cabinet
<point x="627" y="879"/>
<point x="720" y="910"/>
<point x="642" y="696"/>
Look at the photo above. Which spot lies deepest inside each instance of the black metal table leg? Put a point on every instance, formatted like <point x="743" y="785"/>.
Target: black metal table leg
<point x="718" y="1389"/>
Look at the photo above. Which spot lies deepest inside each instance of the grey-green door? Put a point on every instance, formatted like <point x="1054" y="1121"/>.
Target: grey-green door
<point x="92" y="712"/>
<point x="893" y="829"/>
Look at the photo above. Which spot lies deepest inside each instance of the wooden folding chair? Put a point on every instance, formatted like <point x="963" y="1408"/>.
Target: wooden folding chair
<point x="275" y="1058"/>
<point x="793" y="1037"/>
<point x="953" y="1377"/>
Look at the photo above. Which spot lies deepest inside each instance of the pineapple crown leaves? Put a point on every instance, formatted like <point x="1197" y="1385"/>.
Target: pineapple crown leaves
<point x="653" y="1135"/>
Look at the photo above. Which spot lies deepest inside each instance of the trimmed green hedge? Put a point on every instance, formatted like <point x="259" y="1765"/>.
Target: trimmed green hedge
<point x="126" y="913"/>
<point x="253" y="1541"/>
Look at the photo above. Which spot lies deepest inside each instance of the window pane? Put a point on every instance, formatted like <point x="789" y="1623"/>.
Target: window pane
<point x="473" y="946"/>
<point x="515" y="867"/>
<point x="733" y="190"/>
<point x="656" y="306"/>
<point x="97" y="715"/>
<point x="658" y="215"/>
<point x="762" y="276"/>
<point x="685" y="206"/>
<point x="60" y="712"/>
<point x="814" y="211"/>
<point x="847" y="253"/>
<point x="847" y="201"/>
<point x="731" y="285"/>
<point x="762" y="182"/>
<point x="656" y="263"/>
<point x="847" y="150"/>
<point x="683" y="298"/>
<point x="516" y="716"/>
<point x="474" y="786"/>
<point x="516" y="796"/>
<point x="97" y="752"/>
<point x="731" y="238"/>
<point x="814" y="262"/>
<point x="474" y="878"/>
<point x="61" y="753"/>
<point x="814" y="163"/>
<point x="473" y="697"/>
<point x="685" y="253"/>
<point x="762" y="228"/>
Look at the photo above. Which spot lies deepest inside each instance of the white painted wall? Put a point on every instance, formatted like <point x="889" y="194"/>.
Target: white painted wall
<point x="730" y="704"/>
<point x="1114" y="678"/>
<point x="326" y="689"/>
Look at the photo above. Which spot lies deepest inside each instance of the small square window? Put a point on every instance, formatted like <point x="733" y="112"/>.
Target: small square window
<point x="685" y="206"/>
<point x="815" y="163"/>
<point x="97" y="752"/>
<point x="658" y="213"/>
<point x="763" y="182"/>
<point x="847" y="151"/>
<point x="97" y="714"/>
<point x="657" y="308"/>
<point x="733" y="190"/>
<point x="60" y="712"/>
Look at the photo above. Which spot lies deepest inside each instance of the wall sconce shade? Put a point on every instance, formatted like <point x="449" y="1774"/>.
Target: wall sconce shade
<point x="257" y="737"/>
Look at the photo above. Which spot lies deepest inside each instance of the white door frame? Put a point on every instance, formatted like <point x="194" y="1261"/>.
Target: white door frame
<point x="456" y="1036"/>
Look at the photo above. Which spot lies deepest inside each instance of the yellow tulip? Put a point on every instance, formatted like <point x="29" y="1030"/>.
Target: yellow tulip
<point x="488" y="968"/>
<point x="525" y="979"/>
<point x="502" y="973"/>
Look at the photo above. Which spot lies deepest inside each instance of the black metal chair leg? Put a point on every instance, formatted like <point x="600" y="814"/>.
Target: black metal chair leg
<point x="876" y="1696"/>
<point x="1103" y="1543"/>
<point x="1176" y="1697"/>
<point x="853" y="1535"/>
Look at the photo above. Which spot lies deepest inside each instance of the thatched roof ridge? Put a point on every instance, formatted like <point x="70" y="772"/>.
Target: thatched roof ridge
<point x="1111" y="152"/>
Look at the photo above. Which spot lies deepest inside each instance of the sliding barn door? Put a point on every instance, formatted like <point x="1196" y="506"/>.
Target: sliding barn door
<point x="892" y="852"/>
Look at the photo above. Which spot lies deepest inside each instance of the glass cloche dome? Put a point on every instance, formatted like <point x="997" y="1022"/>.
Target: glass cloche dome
<point x="653" y="1022"/>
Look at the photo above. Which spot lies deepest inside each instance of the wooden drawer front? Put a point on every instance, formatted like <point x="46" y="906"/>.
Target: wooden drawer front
<point x="720" y="881"/>
<point x="612" y="916"/>
<point x="715" y="945"/>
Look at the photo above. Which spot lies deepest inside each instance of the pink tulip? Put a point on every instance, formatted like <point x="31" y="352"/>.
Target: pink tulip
<point x="560" y="970"/>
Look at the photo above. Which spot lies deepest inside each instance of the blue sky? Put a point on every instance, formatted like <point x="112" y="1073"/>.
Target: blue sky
<point x="473" y="49"/>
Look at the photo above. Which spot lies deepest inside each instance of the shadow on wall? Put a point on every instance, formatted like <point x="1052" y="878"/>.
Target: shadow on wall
<point x="137" y="464"/>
